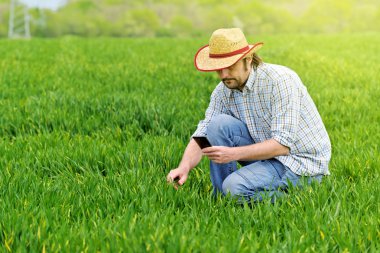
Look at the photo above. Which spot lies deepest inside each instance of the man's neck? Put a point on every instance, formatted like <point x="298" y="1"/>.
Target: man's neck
<point x="241" y="88"/>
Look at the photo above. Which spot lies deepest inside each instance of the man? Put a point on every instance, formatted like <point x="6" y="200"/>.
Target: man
<point x="261" y="116"/>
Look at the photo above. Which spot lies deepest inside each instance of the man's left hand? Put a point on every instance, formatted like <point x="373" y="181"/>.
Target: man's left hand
<point x="220" y="154"/>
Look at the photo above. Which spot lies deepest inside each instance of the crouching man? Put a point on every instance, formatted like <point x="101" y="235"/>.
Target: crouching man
<point x="261" y="116"/>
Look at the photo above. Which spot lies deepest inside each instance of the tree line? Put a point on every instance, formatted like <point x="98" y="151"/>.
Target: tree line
<point x="183" y="18"/>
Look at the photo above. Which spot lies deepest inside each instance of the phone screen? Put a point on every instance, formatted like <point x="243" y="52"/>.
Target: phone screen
<point x="202" y="141"/>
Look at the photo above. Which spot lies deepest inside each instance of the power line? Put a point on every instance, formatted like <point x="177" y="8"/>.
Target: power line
<point x="19" y="20"/>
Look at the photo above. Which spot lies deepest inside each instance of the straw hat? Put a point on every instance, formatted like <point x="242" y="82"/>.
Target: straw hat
<point x="226" y="47"/>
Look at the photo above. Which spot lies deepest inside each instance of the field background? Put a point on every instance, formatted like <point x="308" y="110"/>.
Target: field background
<point x="183" y="18"/>
<point x="89" y="129"/>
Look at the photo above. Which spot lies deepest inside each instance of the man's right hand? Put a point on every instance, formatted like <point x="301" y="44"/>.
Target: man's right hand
<point x="177" y="174"/>
<point x="190" y="159"/>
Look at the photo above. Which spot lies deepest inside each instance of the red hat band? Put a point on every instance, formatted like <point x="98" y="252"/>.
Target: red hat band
<point x="239" y="51"/>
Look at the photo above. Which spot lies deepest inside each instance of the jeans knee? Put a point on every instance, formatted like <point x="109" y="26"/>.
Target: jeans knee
<point x="233" y="185"/>
<point x="217" y="127"/>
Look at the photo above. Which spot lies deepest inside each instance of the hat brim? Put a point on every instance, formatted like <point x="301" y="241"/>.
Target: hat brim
<point x="203" y="62"/>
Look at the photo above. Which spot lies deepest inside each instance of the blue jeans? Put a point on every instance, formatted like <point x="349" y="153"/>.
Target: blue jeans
<point x="255" y="179"/>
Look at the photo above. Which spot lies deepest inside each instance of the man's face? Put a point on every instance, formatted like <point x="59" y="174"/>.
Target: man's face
<point x="235" y="76"/>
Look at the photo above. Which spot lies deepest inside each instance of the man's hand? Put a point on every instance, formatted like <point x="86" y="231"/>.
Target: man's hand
<point x="177" y="176"/>
<point x="220" y="154"/>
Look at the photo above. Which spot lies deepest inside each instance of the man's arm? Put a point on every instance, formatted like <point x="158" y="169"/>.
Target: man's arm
<point x="259" y="151"/>
<point x="193" y="154"/>
<point x="191" y="157"/>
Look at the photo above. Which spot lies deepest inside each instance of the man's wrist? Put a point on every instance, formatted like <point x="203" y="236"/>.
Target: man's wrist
<point x="184" y="167"/>
<point x="244" y="153"/>
<point x="237" y="153"/>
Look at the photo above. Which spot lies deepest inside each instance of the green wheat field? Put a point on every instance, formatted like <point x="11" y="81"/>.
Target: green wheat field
<point x="90" y="128"/>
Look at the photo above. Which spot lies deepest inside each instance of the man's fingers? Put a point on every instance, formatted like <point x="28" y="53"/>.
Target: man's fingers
<point x="169" y="179"/>
<point x="176" y="178"/>
<point x="206" y="150"/>
<point x="213" y="156"/>
<point x="182" y="180"/>
<point x="210" y="149"/>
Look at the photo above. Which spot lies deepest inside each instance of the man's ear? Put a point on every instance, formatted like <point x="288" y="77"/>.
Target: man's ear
<point x="248" y="62"/>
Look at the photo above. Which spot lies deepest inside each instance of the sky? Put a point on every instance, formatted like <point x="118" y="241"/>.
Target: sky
<point x="44" y="4"/>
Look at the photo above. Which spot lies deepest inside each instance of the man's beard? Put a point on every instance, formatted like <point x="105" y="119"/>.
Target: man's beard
<point x="228" y="79"/>
<point x="233" y="84"/>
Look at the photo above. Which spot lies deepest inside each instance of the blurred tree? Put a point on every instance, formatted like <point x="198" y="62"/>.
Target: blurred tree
<point x="181" y="26"/>
<point x="198" y="17"/>
<point x="140" y="22"/>
<point x="260" y="18"/>
<point x="4" y="17"/>
<point x="365" y="17"/>
<point x="327" y="16"/>
<point x="216" y="17"/>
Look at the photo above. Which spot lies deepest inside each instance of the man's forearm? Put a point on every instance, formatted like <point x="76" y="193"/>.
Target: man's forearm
<point x="260" y="151"/>
<point x="191" y="156"/>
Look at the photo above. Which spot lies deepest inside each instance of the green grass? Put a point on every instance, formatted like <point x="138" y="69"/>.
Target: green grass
<point x="89" y="129"/>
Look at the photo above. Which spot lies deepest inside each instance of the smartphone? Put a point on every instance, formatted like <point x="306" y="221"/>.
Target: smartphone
<point x="202" y="141"/>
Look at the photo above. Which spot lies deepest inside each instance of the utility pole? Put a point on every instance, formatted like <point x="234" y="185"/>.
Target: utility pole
<point x="19" y="20"/>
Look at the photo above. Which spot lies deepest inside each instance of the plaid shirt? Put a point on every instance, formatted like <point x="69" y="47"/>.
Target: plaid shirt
<point x="274" y="104"/>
